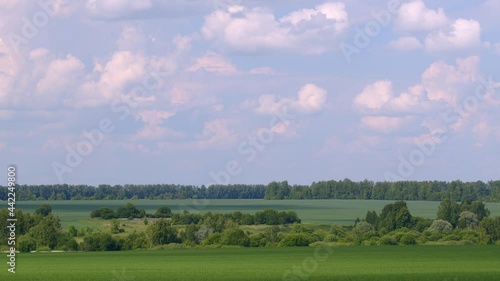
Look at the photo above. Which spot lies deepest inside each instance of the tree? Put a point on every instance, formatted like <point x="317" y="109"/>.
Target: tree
<point x="26" y="244"/>
<point x="235" y="237"/>
<point x="72" y="231"/>
<point x="449" y="210"/>
<point x="372" y="218"/>
<point x="476" y="207"/>
<point x="44" y="210"/>
<point x="467" y="220"/>
<point x="441" y="226"/>
<point x="161" y="233"/>
<point x="128" y="211"/>
<point x="395" y="216"/>
<point x="163" y="212"/>
<point x="492" y="228"/>
<point x="47" y="232"/>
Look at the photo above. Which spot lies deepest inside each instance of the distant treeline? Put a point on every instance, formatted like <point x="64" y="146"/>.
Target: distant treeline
<point x="344" y="189"/>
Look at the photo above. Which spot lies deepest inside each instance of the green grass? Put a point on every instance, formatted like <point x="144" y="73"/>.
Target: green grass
<point x="429" y="263"/>
<point x="310" y="211"/>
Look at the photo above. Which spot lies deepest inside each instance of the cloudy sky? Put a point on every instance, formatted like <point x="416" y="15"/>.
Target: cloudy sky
<point x="236" y="91"/>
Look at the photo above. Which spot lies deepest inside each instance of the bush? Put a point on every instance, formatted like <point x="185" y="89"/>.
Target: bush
<point x="257" y="240"/>
<point x="212" y="239"/>
<point x="235" y="237"/>
<point x="295" y="240"/>
<point x="441" y="226"/>
<point x="26" y="244"/>
<point x="409" y="239"/>
<point x="388" y="240"/>
<point x="331" y="238"/>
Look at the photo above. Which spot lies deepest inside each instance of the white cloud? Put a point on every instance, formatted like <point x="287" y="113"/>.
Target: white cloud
<point x="415" y="16"/>
<point x="446" y="82"/>
<point x="383" y="124"/>
<point x="60" y="77"/>
<point x="216" y="133"/>
<point x="374" y="96"/>
<point x="310" y="99"/>
<point x="462" y="34"/>
<point x="405" y="44"/>
<point x="213" y="62"/>
<point x="309" y="31"/>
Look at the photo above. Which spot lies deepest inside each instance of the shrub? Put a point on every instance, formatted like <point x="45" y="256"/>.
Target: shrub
<point x="212" y="239"/>
<point x="26" y="244"/>
<point x="43" y="249"/>
<point x="235" y="237"/>
<point x="295" y="240"/>
<point x="441" y="226"/>
<point x="388" y="240"/>
<point x="257" y="240"/>
<point x="409" y="239"/>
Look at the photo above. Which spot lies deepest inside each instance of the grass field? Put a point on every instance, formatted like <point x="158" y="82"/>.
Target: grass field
<point x="398" y="263"/>
<point x="310" y="211"/>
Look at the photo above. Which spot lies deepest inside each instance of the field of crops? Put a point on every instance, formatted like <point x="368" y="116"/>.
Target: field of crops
<point x="310" y="211"/>
<point x="398" y="263"/>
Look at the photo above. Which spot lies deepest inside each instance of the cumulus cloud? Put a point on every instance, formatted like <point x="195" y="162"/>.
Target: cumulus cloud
<point x="383" y="124"/>
<point x="439" y="33"/>
<point x="310" y="99"/>
<point x="374" y="96"/>
<point x="405" y="44"/>
<point x="215" y="63"/>
<point x="462" y="34"/>
<point x="415" y="16"/>
<point x="446" y="82"/>
<point x="309" y="31"/>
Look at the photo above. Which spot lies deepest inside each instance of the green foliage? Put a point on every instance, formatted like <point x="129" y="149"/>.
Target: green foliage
<point x="212" y="239"/>
<point x="128" y="211"/>
<point x="410" y="238"/>
<point x="449" y="210"/>
<point x="441" y="226"/>
<point x="100" y="242"/>
<point x="476" y="207"/>
<point x="296" y="240"/>
<point x="467" y="220"/>
<point x="395" y="216"/>
<point x="104" y="213"/>
<point x="161" y="232"/>
<point x="44" y="210"/>
<point x="72" y="231"/>
<point x="492" y="228"/>
<point x="26" y="244"/>
<point x="47" y="232"/>
<point x="234" y="237"/>
<point x="135" y="241"/>
<point x="257" y="240"/>
<point x="388" y="240"/>
<point x="163" y="212"/>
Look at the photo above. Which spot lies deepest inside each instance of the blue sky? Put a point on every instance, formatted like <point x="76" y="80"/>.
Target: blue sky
<point x="228" y="91"/>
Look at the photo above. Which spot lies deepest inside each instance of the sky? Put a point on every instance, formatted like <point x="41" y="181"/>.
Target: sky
<point x="234" y="91"/>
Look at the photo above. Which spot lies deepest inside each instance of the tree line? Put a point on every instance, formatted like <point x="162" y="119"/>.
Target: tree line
<point x="332" y="189"/>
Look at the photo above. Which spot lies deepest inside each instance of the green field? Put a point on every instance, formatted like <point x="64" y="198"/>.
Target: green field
<point x="310" y="211"/>
<point x="398" y="263"/>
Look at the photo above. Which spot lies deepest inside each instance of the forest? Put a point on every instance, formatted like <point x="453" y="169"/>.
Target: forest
<point x="332" y="189"/>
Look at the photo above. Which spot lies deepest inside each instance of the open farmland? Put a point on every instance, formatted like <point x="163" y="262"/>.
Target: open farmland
<point x="310" y="211"/>
<point x="389" y="263"/>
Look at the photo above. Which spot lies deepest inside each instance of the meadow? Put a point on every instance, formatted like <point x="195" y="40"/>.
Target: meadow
<point x="325" y="212"/>
<point x="387" y="263"/>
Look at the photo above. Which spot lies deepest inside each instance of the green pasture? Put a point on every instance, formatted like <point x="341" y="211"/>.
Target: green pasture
<point x="310" y="211"/>
<point x="398" y="263"/>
